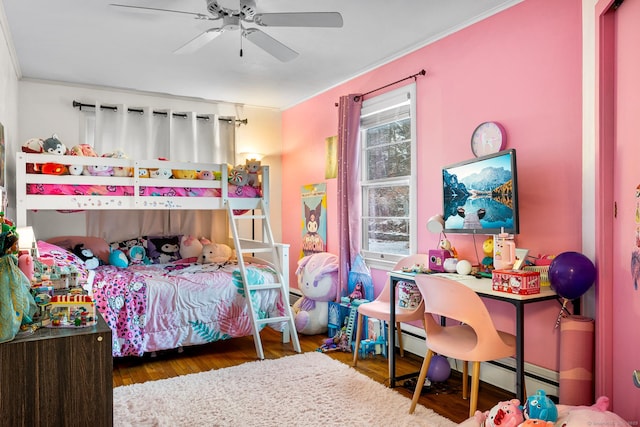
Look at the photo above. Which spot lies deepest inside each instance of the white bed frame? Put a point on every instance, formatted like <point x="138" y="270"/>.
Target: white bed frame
<point x="26" y="202"/>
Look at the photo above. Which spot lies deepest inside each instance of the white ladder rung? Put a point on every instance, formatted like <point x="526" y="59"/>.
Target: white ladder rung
<point x="267" y="245"/>
<point x="264" y="286"/>
<point x="272" y="320"/>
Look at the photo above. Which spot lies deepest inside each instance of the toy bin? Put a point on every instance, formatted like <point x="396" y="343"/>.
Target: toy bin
<point x="516" y="281"/>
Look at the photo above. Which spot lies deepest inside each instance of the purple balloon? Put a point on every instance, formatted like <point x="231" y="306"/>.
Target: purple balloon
<point x="571" y="274"/>
<point x="439" y="369"/>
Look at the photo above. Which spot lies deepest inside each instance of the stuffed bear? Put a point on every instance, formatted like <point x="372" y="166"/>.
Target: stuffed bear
<point x="215" y="253"/>
<point x="318" y="282"/>
<point x="160" y="173"/>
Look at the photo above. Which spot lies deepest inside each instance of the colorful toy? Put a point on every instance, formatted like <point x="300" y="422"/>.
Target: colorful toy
<point x="72" y="311"/>
<point x="33" y="145"/>
<point x="239" y="176"/>
<point x="505" y="414"/>
<point x="205" y="175"/>
<point x="122" y="171"/>
<point x="160" y="173"/>
<point x="190" y="247"/>
<point x="118" y="258"/>
<point x="54" y="146"/>
<point x="540" y="407"/>
<point x="143" y="173"/>
<point x="85" y="254"/>
<point x="100" y="170"/>
<point x="534" y="422"/>
<point x="138" y="255"/>
<point x="184" y="174"/>
<point x="254" y="169"/>
<point x="487" y="249"/>
<point x="217" y="253"/>
<point x="318" y="282"/>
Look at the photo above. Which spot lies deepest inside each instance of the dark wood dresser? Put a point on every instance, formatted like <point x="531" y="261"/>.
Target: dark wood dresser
<point x="58" y="377"/>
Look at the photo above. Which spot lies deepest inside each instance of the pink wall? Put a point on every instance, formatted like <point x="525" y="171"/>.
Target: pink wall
<point x="522" y="68"/>
<point x="625" y="304"/>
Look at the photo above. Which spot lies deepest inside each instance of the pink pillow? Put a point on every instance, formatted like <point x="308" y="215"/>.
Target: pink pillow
<point x="98" y="246"/>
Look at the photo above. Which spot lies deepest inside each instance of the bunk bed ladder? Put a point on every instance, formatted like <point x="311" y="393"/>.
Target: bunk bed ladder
<point x="268" y="246"/>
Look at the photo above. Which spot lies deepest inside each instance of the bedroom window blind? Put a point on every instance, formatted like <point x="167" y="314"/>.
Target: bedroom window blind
<point x="388" y="170"/>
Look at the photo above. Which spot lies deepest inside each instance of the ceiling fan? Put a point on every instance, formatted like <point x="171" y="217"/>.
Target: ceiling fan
<point x="233" y="20"/>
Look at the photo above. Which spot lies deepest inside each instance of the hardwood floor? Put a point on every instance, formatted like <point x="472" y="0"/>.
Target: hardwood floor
<point x="445" y="398"/>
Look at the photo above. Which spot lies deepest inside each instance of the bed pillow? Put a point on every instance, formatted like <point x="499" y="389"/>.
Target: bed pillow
<point x="125" y="245"/>
<point x="163" y="249"/>
<point x="98" y="246"/>
<point x="62" y="258"/>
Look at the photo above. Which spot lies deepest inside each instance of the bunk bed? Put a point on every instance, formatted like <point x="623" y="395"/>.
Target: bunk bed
<point x="171" y="305"/>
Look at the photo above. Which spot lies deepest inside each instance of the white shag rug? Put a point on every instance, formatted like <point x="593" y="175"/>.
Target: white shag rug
<point x="309" y="389"/>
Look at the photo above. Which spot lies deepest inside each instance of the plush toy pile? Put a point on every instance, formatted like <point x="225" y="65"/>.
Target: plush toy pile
<point x="539" y="410"/>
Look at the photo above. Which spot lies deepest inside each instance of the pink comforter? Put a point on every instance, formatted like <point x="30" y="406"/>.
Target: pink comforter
<point x="164" y="306"/>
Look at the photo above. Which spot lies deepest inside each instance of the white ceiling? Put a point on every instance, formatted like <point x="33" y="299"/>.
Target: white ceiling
<point x="89" y="42"/>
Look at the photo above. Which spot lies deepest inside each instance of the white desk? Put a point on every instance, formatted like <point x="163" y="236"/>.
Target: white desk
<point x="482" y="287"/>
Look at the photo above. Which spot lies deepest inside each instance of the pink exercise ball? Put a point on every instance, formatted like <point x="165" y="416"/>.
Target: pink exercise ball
<point x="439" y="369"/>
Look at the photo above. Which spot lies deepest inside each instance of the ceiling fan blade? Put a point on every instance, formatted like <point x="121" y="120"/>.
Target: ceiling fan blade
<point x="199" y="41"/>
<point x="302" y="19"/>
<point x="143" y="9"/>
<point x="270" y="45"/>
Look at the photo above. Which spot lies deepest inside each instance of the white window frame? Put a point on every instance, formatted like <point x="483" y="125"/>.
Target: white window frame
<point x="376" y="105"/>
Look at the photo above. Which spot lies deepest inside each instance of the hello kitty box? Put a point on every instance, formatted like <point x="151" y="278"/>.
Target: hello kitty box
<point x="516" y="281"/>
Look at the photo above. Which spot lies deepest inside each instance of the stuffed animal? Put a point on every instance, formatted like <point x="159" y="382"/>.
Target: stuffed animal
<point x="318" y="282"/>
<point x="239" y="176"/>
<point x="86" y="255"/>
<point x="143" y="173"/>
<point x="33" y="145"/>
<point x="54" y="146"/>
<point x="121" y="171"/>
<point x="118" y="258"/>
<point x="540" y="407"/>
<point x="595" y="415"/>
<point x="215" y="253"/>
<point x="81" y="150"/>
<point x="253" y="170"/>
<point x="190" y="247"/>
<point x="505" y="414"/>
<point x="533" y="422"/>
<point x="184" y="174"/>
<point x="100" y="170"/>
<point x="205" y="175"/>
<point x="160" y="173"/>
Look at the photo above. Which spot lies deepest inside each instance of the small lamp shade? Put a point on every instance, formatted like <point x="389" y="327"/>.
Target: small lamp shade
<point x="435" y="224"/>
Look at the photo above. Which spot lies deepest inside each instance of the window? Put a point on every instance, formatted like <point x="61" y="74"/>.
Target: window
<point x="388" y="170"/>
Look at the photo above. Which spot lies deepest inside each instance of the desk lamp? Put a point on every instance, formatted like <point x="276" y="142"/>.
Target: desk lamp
<point x="435" y="224"/>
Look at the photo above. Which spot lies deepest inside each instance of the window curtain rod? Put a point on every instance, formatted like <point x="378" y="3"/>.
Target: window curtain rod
<point x="81" y="105"/>
<point x="412" y="76"/>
